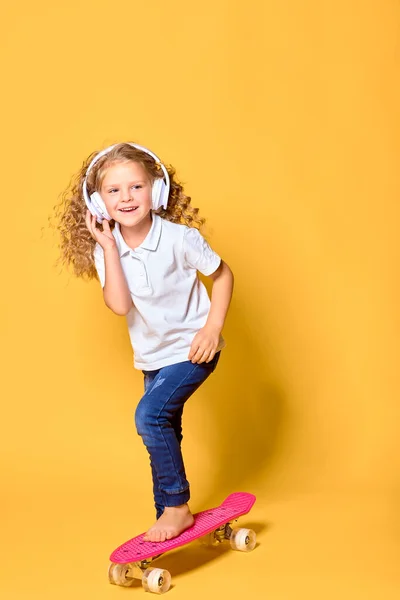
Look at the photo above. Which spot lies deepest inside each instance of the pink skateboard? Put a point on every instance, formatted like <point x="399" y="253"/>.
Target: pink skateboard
<point x="132" y="560"/>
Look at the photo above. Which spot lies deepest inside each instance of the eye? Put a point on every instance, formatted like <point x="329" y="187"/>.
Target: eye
<point x="137" y="187"/>
<point x="112" y="190"/>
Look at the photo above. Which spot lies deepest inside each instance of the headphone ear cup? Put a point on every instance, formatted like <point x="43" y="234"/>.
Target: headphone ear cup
<point x="99" y="206"/>
<point x="157" y="193"/>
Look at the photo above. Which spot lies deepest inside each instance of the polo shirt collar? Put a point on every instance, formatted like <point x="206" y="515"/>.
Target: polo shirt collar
<point x="149" y="243"/>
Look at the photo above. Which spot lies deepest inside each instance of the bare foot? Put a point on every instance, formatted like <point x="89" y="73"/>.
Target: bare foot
<point x="173" y="521"/>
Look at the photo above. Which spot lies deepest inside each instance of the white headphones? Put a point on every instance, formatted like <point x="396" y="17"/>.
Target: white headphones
<point x="159" y="192"/>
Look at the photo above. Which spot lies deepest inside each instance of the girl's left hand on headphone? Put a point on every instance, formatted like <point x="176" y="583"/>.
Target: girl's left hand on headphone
<point x="204" y="345"/>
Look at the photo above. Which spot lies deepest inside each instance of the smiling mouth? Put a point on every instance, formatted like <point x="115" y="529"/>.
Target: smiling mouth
<point x="129" y="209"/>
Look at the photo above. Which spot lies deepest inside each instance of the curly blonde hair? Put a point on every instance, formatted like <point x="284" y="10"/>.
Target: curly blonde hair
<point x="76" y="244"/>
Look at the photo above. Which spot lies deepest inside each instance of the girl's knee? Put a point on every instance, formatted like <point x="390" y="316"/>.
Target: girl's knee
<point x="141" y="419"/>
<point x="145" y="417"/>
<point x="148" y="417"/>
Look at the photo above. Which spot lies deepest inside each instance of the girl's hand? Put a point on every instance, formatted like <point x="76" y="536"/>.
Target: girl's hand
<point x="204" y="345"/>
<point x="105" y="238"/>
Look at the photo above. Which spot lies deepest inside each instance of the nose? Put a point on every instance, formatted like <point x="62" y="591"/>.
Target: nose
<point x="127" y="195"/>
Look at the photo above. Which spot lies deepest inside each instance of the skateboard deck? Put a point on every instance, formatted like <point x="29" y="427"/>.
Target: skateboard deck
<point x="205" y="522"/>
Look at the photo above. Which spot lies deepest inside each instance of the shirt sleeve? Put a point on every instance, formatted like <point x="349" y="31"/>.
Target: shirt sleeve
<point x="198" y="253"/>
<point x="98" y="256"/>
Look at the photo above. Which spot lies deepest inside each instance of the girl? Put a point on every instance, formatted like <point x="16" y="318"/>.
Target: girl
<point x="126" y="221"/>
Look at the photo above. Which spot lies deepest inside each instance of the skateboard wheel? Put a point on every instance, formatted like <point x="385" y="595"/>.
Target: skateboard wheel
<point x="118" y="575"/>
<point x="243" y="539"/>
<point x="157" y="581"/>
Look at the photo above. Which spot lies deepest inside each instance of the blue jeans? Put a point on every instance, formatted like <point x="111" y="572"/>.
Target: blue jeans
<point x="158" y="420"/>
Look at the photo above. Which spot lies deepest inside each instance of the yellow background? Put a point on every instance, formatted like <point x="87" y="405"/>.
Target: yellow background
<point x="282" y="117"/>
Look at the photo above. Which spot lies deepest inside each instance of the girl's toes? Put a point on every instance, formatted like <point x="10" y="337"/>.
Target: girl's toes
<point x="150" y="536"/>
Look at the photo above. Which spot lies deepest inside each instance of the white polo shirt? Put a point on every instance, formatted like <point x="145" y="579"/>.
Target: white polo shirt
<point x="170" y="303"/>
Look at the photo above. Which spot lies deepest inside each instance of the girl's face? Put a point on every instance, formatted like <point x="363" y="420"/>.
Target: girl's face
<point x="126" y="192"/>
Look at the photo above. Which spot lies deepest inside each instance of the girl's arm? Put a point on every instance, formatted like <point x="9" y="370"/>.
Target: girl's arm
<point x="220" y="296"/>
<point x="206" y="341"/>
<point x="116" y="293"/>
